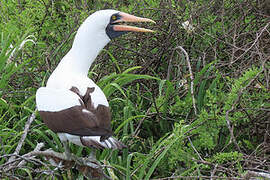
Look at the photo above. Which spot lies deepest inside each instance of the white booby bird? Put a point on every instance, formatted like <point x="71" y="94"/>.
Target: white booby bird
<point x="71" y="104"/>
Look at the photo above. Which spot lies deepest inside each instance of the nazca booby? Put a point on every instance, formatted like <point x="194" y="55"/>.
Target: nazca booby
<point x="71" y="104"/>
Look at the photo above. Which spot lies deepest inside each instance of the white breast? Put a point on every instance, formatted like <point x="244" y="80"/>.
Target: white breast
<point x="67" y="81"/>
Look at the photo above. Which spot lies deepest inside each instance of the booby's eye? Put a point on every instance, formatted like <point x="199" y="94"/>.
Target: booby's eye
<point x="114" y="17"/>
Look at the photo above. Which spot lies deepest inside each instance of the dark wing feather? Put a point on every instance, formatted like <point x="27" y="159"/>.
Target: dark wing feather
<point x="83" y="120"/>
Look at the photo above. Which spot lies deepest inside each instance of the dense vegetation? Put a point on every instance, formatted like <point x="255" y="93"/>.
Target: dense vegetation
<point x="188" y="102"/>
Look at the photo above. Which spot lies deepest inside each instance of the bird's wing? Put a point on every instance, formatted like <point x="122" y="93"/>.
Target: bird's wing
<point x="67" y="111"/>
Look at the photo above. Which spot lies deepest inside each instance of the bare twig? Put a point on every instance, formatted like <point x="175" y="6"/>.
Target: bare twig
<point x="133" y="51"/>
<point x="253" y="44"/>
<point x="170" y="66"/>
<point x="37" y="148"/>
<point x="191" y="77"/>
<point x="90" y="168"/>
<point x="213" y="172"/>
<point x="219" y="168"/>
<point x="256" y="174"/>
<point x="234" y="105"/>
<point x="25" y="132"/>
<point x="137" y="130"/>
<point x="199" y="177"/>
<point x="195" y="149"/>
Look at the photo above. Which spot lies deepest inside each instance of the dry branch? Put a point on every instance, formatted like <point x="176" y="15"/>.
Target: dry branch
<point x="91" y="169"/>
<point x="25" y="132"/>
<point x="251" y="174"/>
<point x="199" y="177"/>
<point x="191" y="77"/>
<point x="88" y="167"/>
<point x="235" y="104"/>
<point x="253" y="44"/>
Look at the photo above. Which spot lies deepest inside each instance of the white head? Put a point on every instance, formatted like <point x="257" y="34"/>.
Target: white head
<point x="104" y="25"/>
<point x="95" y="32"/>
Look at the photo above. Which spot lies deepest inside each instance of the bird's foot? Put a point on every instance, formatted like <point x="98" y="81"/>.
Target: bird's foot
<point x="67" y="152"/>
<point x="68" y="155"/>
<point x="91" y="159"/>
<point x="92" y="155"/>
<point x="91" y="162"/>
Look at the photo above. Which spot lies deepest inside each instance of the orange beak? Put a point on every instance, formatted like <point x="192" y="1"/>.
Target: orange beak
<point x="130" y="18"/>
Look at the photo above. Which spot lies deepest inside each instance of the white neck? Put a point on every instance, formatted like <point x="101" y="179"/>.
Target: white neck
<point x="87" y="44"/>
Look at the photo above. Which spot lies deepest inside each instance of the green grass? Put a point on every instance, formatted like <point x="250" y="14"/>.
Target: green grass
<point x="154" y="116"/>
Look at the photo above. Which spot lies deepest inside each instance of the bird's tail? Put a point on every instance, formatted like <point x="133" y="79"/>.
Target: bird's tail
<point x="94" y="141"/>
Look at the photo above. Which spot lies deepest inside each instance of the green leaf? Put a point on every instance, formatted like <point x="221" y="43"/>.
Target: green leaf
<point x="127" y="121"/>
<point x="113" y="60"/>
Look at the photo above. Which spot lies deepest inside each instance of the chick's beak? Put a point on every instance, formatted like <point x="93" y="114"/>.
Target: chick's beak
<point x="130" y="18"/>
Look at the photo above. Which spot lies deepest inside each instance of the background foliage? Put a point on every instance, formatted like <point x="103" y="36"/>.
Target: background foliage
<point x="218" y="130"/>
